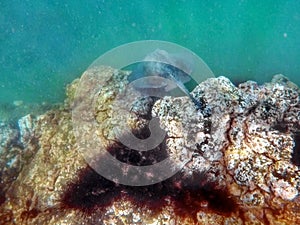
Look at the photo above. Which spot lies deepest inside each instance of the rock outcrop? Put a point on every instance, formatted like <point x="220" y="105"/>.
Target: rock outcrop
<point x="239" y="156"/>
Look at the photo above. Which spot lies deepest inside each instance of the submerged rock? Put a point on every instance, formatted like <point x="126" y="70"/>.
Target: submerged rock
<point x="240" y="156"/>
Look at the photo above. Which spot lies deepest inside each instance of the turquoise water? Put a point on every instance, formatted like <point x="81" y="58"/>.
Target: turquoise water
<point x="46" y="44"/>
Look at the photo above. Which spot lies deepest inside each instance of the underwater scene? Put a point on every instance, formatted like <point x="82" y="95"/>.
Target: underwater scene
<point x="150" y="112"/>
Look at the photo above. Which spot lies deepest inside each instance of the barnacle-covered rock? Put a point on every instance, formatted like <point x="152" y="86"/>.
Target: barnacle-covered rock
<point x="251" y="135"/>
<point x="18" y="143"/>
<point x="9" y="153"/>
<point x="240" y="155"/>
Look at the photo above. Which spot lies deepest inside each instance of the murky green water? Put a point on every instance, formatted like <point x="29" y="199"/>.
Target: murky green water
<point x="46" y="44"/>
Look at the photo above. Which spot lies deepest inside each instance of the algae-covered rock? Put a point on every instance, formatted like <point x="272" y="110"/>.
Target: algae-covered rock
<point x="238" y="156"/>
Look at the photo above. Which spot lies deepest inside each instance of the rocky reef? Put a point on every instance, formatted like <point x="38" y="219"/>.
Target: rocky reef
<point x="240" y="155"/>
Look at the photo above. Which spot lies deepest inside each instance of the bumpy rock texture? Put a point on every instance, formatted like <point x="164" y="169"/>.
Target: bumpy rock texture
<point x="241" y="155"/>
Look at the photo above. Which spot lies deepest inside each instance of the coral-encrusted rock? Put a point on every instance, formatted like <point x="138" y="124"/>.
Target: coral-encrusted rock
<point x="9" y="153"/>
<point x="252" y="128"/>
<point x="240" y="153"/>
<point x="17" y="145"/>
<point x="26" y="128"/>
<point x="8" y="135"/>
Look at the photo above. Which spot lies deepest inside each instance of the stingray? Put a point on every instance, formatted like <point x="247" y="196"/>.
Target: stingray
<point x="167" y="71"/>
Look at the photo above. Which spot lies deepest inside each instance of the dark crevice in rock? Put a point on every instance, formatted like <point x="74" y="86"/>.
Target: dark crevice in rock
<point x="281" y="127"/>
<point x="237" y="81"/>
<point x="138" y="158"/>
<point x="296" y="150"/>
<point x="2" y="196"/>
<point x="30" y="214"/>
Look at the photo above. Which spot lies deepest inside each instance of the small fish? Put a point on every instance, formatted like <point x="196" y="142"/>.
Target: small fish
<point x="162" y="64"/>
<point x="181" y="61"/>
<point x="174" y="75"/>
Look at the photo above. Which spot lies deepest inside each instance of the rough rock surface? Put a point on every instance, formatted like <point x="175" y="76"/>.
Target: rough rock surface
<point x="242" y="151"/>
